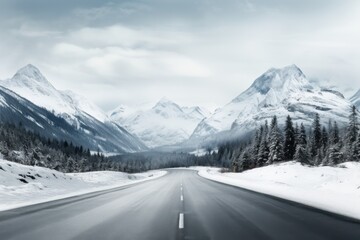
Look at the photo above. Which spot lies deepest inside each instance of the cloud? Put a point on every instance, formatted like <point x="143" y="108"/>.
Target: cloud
<point x="115" y="62"/>
<point x="201" y="52"/>
<point x="117" y="51"/>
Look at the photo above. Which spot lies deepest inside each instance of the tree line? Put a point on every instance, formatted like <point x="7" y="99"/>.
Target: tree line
<point x="26" y="147"/>
<point x="317" y="145"/>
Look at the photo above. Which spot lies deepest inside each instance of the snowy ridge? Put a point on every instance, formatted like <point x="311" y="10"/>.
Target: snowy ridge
<point x="280" y="92"/>
<point x="166" y="123"/>
<point x="22" y="185"/>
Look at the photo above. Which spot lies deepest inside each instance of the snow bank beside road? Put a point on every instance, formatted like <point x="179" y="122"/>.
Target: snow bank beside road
<point x="334" y="189"/>
<point x="22" y="185"/>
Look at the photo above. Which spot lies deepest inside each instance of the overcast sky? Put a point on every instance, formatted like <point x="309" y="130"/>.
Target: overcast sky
<point x="195" y="52"/>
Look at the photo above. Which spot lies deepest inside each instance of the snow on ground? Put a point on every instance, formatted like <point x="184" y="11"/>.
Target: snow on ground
<point x="22" y="185"/>
<point x="334" y="189"/>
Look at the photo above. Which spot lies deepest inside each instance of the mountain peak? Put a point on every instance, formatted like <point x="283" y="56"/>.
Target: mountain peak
<point x="279" y="78"/>
<point x="166" y="103"/>
<point x="165" y="100"/>
<point x="292" y="68"/>
<point x="30" y="72"/>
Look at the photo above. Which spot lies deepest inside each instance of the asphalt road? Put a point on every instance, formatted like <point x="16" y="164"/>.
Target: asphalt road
<point x="180" y="205"/>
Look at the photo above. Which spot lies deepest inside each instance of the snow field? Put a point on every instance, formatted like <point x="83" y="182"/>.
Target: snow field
<point x="333" y="189"/>
<point x="22" y="185"/>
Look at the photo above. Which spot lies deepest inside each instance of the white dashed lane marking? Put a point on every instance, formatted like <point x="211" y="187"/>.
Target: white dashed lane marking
<point x="181" y="221"/>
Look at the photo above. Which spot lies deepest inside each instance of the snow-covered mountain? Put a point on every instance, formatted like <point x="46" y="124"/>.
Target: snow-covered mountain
<point x="280" y="92"/>
<point x="30" y="99"/>
<point x="29" y="83"/>
<point x="166" y="123"/>
<point x="355" y="99"/>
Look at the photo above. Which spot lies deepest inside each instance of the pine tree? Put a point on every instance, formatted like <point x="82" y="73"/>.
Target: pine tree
<point x="334" y="137"/>
<point x="316" y="137"/>
<point x="302" y="135"/>
<point x="256" y="143"/>
<point x="245" y="162"/>
<point x="297" y="133"/>
<point x="275" y="143"/>
<point x="266" y="130"/>
<point x="235" y="165"/>
<point x="324" y="138"/>
<point x="301" y="154"/>
<point x="335" y="155"/>
<point x="289" y="142"/>
<point x="353" y="128"/>
<point x="356" y="149"/>
<point x="319" y="157"/>
<point x="351" y="135"/>
<point x="263" y="155"/>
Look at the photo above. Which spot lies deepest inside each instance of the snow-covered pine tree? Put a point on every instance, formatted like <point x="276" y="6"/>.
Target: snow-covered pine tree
<point x="334" y="137"/>
<point x="335" y="155"/>
<point x="276" y="153"/>
<point x="266" y="130"/>
<point x="351" y="134"/>
<point x="319" y="157"/>
<point x="263" y="155"/>
<point x="256" y="143"/>
<point x="245" y="161"/>
<point x="235" y="165"/>
<point x="325" y="145"/>
<point x="297" y="132"/>
<point x="289" y="141"/>
<point x="353" y="128"/>
<point x="324" y="139"/>
<point x="356" y="149"/>
<point x="316" y="135"/>
<point x="302" y="135"/>
<point x="301" y="153"/>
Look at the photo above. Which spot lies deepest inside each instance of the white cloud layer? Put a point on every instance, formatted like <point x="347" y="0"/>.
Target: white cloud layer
<point x="194" y="52"/>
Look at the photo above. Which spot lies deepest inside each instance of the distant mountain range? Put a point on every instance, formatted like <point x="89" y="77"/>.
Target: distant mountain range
<point x="28" y="97"/>
<point x="166" y="123"/>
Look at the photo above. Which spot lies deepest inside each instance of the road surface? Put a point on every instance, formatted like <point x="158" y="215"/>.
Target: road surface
<point x="180" y="205"/>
